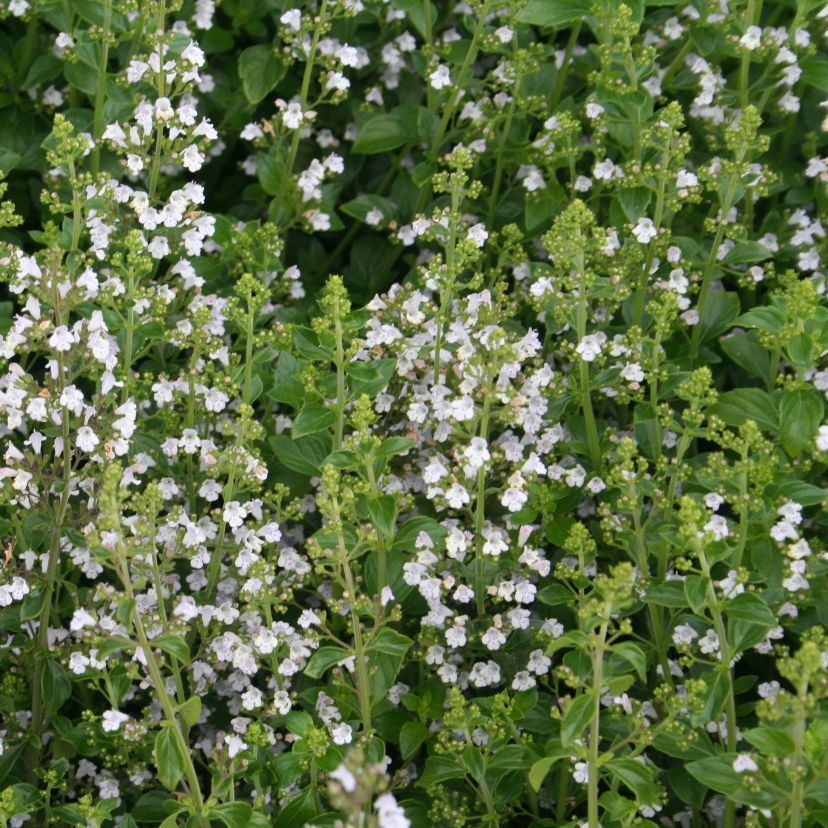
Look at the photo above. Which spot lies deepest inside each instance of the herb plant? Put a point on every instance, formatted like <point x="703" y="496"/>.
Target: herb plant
<point x="413" y="413"/>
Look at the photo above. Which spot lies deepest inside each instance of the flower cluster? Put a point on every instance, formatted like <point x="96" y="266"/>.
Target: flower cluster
<point x="413" y="414"/>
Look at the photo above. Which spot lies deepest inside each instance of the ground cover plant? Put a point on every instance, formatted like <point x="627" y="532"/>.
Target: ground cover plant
<point x="413" y="413"/>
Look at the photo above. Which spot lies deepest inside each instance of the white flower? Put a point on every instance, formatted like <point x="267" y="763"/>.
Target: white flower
<point x="342" y="734"/>
<point x="478" y="235"/>
<point x="645" y="231"/>
<point x="752" y="38"/>
<point x="345" y="778"/>
<point x="86" y="440"/>
<point x="822" y="438"/>
<point x="292" y="116"/>
<point x="389" y="813"/>
<point x="744" y="762"/>
<point x="292" y="19"/>
<point x="709" y="642"/>
<point x="192" y="159"/>
<point x="112" y="720"/>
<point x="440" y="77"/>
<point x="684" y="634"/>
<point x="590" y="346"/>
<point x="62" y="339"/>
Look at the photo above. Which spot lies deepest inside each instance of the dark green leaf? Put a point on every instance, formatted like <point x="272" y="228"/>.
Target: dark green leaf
<point x="168" y="758"/>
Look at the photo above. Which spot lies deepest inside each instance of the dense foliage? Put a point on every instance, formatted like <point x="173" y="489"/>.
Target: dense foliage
<point x="413" y="413"/>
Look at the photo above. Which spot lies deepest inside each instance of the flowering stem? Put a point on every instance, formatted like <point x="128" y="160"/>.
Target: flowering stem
<point x="724" y="650"/>
<point x="593" y="440"/>
<point x="49" y="589"/>
<point x="562" y="72"/>
<point x="447" y="290"/>
<point x="100" y="89"/>
<point x="501" y="145"/>
<point x="594" y="727"/>
<point x="480" y="509"/>
<point x="161" y="689"/>
<point x="361" y="668"/>
<point x="307" y="76"/>
<point x="339" y="362"/>
<point x="797" y="789"/>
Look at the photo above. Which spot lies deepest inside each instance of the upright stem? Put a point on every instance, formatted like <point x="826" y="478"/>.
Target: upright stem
<point x="361" y="667"/>
<point x="593" y="441"/>
<point x="42" y="644"/>
<point x="303" y="101"/>
<point x="160" y="686"/>
<point x="480" y="508"/>
<point x="724" y="649"/>
<point x="594" y="727"/>
<point x="562" y="72"/>
<point x="339" y="361"/>
<point x="100" y="89"/>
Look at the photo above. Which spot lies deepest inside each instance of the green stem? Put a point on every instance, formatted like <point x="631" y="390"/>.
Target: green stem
<point x="100" y="89"/>
<point x="161" y="689"/>
<point x="593" y="440"/>
<point x="307" y="76"/>
<point x="594" y="728"/>
<point x="798" y="788"/>
<point x="480" y="507"/>
<point x="724" y="650"/>
<point x="501" y="145"/>
<point x="339" y="362"/>
<point x="563" y="71"/>
<point x="361" y="666"/>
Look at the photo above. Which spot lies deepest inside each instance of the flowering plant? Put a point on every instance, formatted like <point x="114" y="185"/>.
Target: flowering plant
<point x="413" y="413"/>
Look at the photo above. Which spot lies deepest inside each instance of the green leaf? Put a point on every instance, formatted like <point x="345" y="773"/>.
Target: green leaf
<point x="325" y="658"/>
<point x="149" y="807"/>
<point x="298" y="722"/>
<point x="815" y="73"/>
<point x="56" y="686"/>
<point x="312" y="419"/>
<point x="695" y="591"/>
<point x="389" y="641"/>
<point x="717" y="772"/>
<point x="748" y="353"/>
<point x="540" y="770"/>
<point x="553" y="12"/>
<point x="772" y="741"/>
<point x="667" y="594"/>
<point x="746" y="253"/>
<point x="239" y="815"/>
<point x="412" y="735"/>
<point x="260" y="69"/>
<point x="394" y="445"/>
<point x="190" y="711"/>
<point x="362" y="205"/>
<point x="800" y="415"/>
<point x="381" y="134"/>
<point x="440" y="769"/>
<point x="168" y="758"/>
<point x="767" y="319"/>
<point x="578" y="715"/>
<point x="742" y="404"/>
<point x="720" y="312"/>
<point x="175" y="645"/>
<point x="383" y="511"/>
<point x="370" y="377"/>
<point x="637" y="776"/>
<point x="298" y="812"/>
<point x="304" y="455"/>
<point x="751" y="608"/>
<point x="633" y="654"/>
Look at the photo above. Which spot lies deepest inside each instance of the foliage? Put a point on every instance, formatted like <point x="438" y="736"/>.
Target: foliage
<point x="413" y="413"/>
